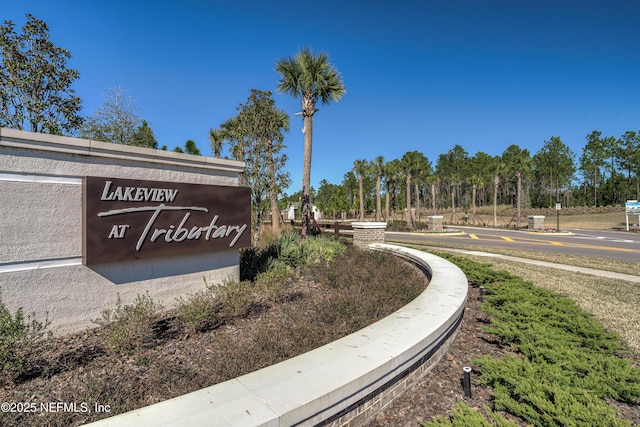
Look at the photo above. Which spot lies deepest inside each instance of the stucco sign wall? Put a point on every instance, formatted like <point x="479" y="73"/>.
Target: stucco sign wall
<point x="133" y="219"/>
<point x="86" y="224"/>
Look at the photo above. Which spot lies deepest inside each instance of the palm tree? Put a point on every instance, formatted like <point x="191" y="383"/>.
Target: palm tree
<point x="476" y="181"/>
<point x="217" y="137"/>
<point x="360" y="167"/>
<point x="378" y="164"/>
<point x="312" y="78"/>
<point x="433" y="180"/>
<point x="391" y="172"/>
<point x="451" y="167"/>
<point x="412" y="163"/>
<point x="498" y="169"/>
<point x="518" y="163"/>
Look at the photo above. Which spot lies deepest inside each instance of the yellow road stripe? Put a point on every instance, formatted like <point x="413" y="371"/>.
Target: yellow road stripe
<point x="507" y="239"/>
<point x="474" y="237"/>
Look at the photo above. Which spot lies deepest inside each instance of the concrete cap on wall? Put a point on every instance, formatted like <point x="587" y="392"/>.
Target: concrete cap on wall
<point x="369" y="224"/>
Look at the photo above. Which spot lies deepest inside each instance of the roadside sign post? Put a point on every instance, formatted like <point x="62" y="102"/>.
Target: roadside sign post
<point x="558" y="207"/>
<point x="632" y="207"/>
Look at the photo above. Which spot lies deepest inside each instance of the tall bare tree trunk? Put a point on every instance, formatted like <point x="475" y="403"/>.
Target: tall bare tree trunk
<point x="453" y="203"/>
<point x="417" y="189"/>
<point x="496" y="182"/>
<point x="273" y="197"/>
<point x="473" y="204"/>
<point x="378" y="201"/>
<point x="433" y="197"/>
<point x="519" y="200"/>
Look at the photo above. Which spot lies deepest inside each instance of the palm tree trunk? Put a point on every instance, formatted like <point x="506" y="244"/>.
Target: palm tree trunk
<point x="361" y="186"/>
<point x="378" y="200"/>
<point x="386" y="204"/>
<point x="409" y="215"/>
<point x="306" y="173"/>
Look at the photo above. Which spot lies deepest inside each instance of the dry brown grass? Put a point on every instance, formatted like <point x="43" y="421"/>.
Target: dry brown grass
<point x="587" y="218"/>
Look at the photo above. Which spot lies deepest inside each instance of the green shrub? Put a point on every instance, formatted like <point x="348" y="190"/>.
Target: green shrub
<point x="128" y="328"/>
<point x="464" y="416"/>
<point x="295" y="253"/>
<point x="321" y="249"/>
<point x="289" y="249"/>
<point x="19" y="338"/>
<point x="237" y="298"/>
<point x="274" y="283"/>
<point x="254" y="261"/>
<point x="200" y="311"/>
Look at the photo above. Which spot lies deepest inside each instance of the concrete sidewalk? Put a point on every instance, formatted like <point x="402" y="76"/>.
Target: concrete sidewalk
<point x="585" y="270"/>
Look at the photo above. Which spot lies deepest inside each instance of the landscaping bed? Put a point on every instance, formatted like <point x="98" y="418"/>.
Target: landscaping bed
<point x="301" y="298"/>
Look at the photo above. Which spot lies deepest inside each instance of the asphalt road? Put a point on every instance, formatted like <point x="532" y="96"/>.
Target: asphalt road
<point x="622" y="246"/>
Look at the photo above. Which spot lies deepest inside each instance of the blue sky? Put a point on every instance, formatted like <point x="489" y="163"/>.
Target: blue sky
<point x="420" y="75"/>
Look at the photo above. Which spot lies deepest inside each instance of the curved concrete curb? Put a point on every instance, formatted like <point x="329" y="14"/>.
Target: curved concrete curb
<point x="344" y="382"/>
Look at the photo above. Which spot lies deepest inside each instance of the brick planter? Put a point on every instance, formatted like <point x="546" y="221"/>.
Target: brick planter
<point x="366" y="233"/>
<point x="536" y="222"/>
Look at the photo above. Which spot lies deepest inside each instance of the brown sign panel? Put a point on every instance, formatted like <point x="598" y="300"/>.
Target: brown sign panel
<point x="126" y="219"/>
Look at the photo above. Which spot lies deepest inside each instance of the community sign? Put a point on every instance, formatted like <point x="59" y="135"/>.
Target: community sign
<point x="126" y="220"/>
<point x="632" y="207"/>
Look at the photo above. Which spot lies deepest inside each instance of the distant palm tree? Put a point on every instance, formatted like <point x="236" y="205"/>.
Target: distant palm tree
<point x="414" y="164"/>
<point x="409" y="165"/>
<point x="476" y="181"/>
<point x="378" y="163"/>
<point x="360" y="168"/>
<point x="217" y="137"/>
<point x="310" y="77"/>
<point x="391" y="172"/>
<point x="498" y="169"/>
<point x="518" y="164"/>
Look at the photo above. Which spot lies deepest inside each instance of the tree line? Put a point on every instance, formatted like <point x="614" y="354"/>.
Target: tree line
<point x="36" y="94"/>
<point x="607" y="172"/>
